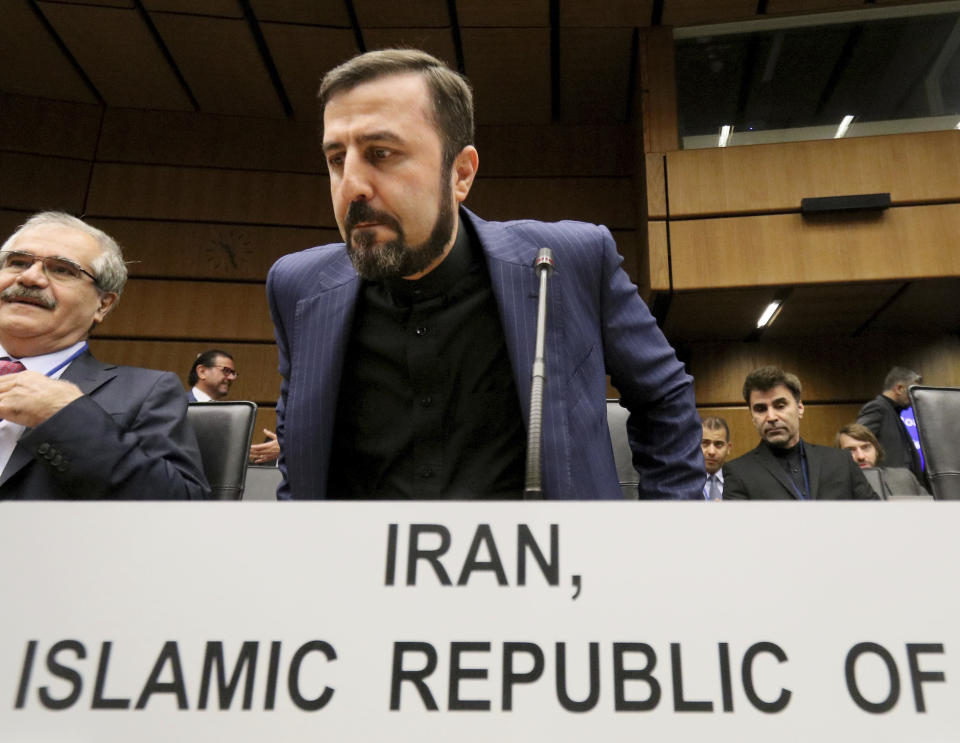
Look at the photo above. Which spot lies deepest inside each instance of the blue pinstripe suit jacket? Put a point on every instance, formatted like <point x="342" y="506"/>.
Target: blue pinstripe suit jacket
<point x="597" y="325"/>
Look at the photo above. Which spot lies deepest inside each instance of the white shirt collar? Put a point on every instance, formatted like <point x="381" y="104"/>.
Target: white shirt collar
<point x="47" y="361"/>
<point x="201" y="396"/>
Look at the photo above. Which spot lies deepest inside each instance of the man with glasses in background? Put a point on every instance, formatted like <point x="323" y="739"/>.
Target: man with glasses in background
<point x="211" y="376"/>
<point x="74" y="427"/>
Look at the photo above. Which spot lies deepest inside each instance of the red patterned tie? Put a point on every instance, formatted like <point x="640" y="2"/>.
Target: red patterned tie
<point x="10" y="367"/>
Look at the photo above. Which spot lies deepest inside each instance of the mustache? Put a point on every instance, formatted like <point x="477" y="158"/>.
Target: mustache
<point x="18" y="291"/>
<point x="361" y="211"/>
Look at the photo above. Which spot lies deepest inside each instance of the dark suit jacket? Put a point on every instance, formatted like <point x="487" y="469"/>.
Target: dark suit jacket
<point x="126" y="438"/>
<point x="882" y="417"/>
<point x="758" y="475"/>
<point x="597" y="324"/>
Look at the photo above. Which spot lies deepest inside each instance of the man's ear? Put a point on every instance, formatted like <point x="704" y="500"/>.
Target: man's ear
<point x="464" y="171"/>
<point x="800" y="408"/>
<point x="107" y="302"/>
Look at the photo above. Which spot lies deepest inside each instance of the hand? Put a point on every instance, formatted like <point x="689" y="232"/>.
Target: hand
<point x="29" y="398"/>
<point x="268" y="451"/>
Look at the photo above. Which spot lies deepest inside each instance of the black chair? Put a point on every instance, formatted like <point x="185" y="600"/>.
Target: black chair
<point x="622" y="455"/>
<point x="224" y="431"/>
<point x="262" y="482"/>
<point x="937" y="412"/>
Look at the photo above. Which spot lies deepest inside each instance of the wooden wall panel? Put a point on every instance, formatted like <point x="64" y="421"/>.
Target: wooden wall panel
<point x="658" y="256"/>
<point x="508" y="67"/>
<point x="554" y="151"/>
<point x="42" y="127"/>
<point x="657" y="90"/>
<point x="208" y="251"/>
<point x="595" y="74"/>
<point x="197" y="194"/>
<point x="35" y="182"/>
<point x="256" y="362"/>
<point x="830" y="368"/>
<point x="656" y="185"/>
<point x="190" y="309"/>
<point x="775" y="177"/>
<point x="693" y="12"/>
<point x="192" y="139"/>
<point x="608" y="201"/>
<point x="907" y="242"/>
<point x="819" y="425"/>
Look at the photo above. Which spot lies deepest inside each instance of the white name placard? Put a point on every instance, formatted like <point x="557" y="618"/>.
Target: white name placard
<point x="479" y="622"/>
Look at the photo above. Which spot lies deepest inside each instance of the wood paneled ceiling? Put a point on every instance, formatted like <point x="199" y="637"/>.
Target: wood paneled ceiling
<point x="531" y="61"/>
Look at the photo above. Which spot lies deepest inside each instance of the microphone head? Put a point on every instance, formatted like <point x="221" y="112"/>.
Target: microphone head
<point x="544" y="260"/>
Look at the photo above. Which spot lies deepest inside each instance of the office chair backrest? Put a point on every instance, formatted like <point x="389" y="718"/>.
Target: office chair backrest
<point x="622" y="455"/>
<point x="937" y="412"/>
<point x="224" y="431"/>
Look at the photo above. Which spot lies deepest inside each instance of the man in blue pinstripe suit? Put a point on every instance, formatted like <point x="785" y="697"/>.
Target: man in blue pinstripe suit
<point x="406" y="350"/>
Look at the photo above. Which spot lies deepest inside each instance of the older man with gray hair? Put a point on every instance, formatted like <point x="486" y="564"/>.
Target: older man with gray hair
<point x="72" y="426"/>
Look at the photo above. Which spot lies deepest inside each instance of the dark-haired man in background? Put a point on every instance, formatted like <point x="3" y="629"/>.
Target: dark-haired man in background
<point x="716" y="448"/>
<point x="882" y="416"/>
<point x="784" y="466"/>
<point x="212" y="374"/>
<point x="414" y="339"/>
<point x="868" y="453"/>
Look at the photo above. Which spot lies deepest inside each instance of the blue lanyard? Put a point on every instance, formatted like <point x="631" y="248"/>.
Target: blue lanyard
<point x="72" y="357"/>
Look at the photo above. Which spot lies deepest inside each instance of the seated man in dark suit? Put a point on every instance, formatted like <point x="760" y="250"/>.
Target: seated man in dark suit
<point x="73" y="427"/>
<point x="784" y="466"/>
<point x="867" y="452"/>
<point x="882" y="416"/>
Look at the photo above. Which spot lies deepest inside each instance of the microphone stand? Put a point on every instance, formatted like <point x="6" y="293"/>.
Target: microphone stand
<point x="544" y="266"/>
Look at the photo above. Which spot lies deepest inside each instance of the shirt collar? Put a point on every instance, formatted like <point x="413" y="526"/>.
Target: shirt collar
<point x="47" y="361"/>
<point x="441" y="279"/>
<point x="201" y="395"/>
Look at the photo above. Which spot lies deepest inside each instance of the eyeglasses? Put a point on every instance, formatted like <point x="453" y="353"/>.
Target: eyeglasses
<point x="227" y="371"/>
<point x="58" y="269"/>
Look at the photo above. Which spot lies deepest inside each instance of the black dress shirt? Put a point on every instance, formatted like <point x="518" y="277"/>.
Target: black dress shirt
<point x="428" y="405"/>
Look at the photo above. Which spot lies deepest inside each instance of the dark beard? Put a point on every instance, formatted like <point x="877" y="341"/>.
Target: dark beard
<point x="395" y="258"/>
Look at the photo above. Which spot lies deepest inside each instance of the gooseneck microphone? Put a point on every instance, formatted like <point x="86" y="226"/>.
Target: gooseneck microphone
<point x="543" y="265"/>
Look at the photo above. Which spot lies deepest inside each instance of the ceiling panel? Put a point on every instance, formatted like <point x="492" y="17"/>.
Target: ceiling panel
<point x="393" y="14"/>
<point x="302" y="55"/>
<point x="589" y="13"/>
<point x="693" y="12"/>
<point x="595" y="75"/>
<point x="715" y="315"/>
<point x="833" y="309"/>
<point x="302" y="11"/>
<point x="807" y="6"/>
<point x="929" y="306"/>
<point x="486" y="13"/>
<point x="223" y="8"/>
<point x="221" y="64"/>
<point x="510" y="72"/>
<point x="33" y="63"/>
<point x="109" y="3"/>
<point x="435" y="41"/>
<point x="119" y="55"/>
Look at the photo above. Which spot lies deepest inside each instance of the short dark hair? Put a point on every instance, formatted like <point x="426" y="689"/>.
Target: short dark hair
<point x="449" y="91"/>
<point x="715" y="423"/>
<point x="207" y="358"/>
<point x="861" y="433"/>
<point x="768" y="377"/>
<point x="900" y="375"/>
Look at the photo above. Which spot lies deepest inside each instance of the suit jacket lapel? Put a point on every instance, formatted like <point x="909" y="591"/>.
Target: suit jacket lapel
<point x="85" y="372"/>
<point x="770" y="463"/>
<point x="325" y="323"/>
<point x="516" y="290"/>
